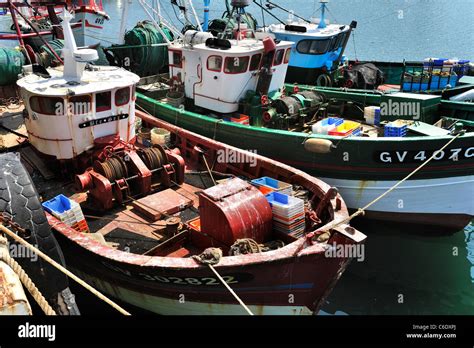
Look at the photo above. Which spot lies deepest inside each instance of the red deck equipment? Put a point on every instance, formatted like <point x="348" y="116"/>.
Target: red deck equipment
<point x="235" y="210"/>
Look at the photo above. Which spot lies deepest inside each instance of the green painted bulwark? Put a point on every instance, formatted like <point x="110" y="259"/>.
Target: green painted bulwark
<point x="357" y="158"/>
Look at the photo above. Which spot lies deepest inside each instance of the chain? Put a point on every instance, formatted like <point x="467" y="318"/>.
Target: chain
<point x="7" y="220"/>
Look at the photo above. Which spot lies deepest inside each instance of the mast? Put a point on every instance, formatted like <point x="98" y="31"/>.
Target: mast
<point x="322" y="22"/>
<point x="74" y="60"/>
<point x="205" y="26"/>
<point x="123" y="24"/>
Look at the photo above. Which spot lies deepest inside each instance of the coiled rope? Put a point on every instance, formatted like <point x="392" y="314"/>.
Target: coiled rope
<point x="24" y="278"/>
<point x="56" y="265"/>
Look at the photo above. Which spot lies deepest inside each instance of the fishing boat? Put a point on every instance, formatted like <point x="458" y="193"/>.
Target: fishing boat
<point x="318" y="50"/>
<point x="35" y="23"/>
<point x="163" y="213"/>
<point x="246" y="105"/>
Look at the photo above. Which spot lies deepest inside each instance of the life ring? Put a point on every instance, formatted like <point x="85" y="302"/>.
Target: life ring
<point x="19" y="200"/>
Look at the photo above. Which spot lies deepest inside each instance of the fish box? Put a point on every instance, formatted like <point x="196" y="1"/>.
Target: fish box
<point x="288" y="213"/>
<point x="440" y="81"/>
<point x="326" y="125"/>
<point x="274" y="185"/>
<point x="241" y="119"/>
<point x="395" y="129"/>
<point x="67" y="211"/>
<point x="347" y="128"/>
<point x="372" y="115"/>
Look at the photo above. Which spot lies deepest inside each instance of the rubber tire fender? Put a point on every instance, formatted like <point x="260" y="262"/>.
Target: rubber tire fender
<point x="19" y="199"/>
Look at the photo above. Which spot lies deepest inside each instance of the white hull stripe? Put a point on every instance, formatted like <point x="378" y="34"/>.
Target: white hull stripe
<point x="453" y="195"/>
<point x="180" y="306"/>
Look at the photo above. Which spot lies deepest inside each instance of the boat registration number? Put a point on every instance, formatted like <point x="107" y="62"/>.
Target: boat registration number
<point x="207" y="281"/>
<point x="103" y="120"/>
<point x="229" y="279"/>
<point x="454" y="155"/>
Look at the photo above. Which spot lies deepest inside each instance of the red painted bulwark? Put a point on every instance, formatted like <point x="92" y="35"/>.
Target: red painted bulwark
<point x="235" y="210"/>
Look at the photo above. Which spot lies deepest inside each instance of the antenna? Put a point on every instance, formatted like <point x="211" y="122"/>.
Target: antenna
<point x="238" y="9"/>
<point x="322" y="22"/>
<point x="74" y="60"/>
<point x="205" y="25"/>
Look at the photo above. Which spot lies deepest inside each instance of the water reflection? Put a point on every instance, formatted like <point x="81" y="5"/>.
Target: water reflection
<point x="408" y="273"/>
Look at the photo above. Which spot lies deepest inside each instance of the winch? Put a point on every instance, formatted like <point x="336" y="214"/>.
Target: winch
<point x="123" y="170"/>
<point x="287" y="110"/>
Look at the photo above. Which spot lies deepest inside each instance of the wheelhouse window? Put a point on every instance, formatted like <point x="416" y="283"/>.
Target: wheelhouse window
<point x="214" y="63"/>
<point x="236" y="65"/>
<point x="122" y="96"/>
<point x="287" y="56"/>
<point x="313" y="46"/>
<point x="47" y="105"/>
<point x="177" y="59"/>
<point x="255" y="62"/>
<point x="80" y="105"/>
<point x="278" y="59"/>
<point x="103" y="101"/>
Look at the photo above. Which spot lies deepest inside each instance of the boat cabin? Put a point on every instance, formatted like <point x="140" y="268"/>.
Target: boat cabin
<point x="319" y="46"/>
<point x="315" y="48"/>
<point x="217" y="74"/>
<point x="68" y="109"/>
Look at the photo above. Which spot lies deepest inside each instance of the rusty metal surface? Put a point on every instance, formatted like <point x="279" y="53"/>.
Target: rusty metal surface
<point x="13" y="299"/>
<point x="166" y="202"/>
<point x="235" y="210"/>
<point x="264" y="166"/>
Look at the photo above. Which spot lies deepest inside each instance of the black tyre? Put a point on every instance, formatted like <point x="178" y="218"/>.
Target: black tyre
<point x="19" y="199"/>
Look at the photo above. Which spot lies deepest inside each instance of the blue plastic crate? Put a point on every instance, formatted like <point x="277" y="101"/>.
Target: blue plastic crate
<point x="357" y="132"/>
<point x="333" y="121"/>
<point x="276" y="185"/>
<point x="58" y="205"/>
<point x="276" y="197"/>
<point x="440" y="82"/>
<point x="394" y="130"/>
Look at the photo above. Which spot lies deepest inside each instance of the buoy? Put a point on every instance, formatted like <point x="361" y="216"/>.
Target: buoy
<point x="316" y="145"/>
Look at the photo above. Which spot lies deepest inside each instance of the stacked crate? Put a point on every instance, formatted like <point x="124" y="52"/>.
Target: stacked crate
<point x="268" y="185"/>
<point x="372" y="115"/>
<point x="288" y="213"/>
<point x="326" y="125"/>
<point x="67" y="211"/>
<point x="395" y="129"/>
<point x="347" y="128"/>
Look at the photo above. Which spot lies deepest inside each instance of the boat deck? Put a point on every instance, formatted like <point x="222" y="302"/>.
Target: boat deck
<point x="126" y="228"/>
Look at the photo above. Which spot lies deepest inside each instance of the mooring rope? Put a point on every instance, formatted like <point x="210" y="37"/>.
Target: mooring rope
<point x="361" y="211"/>
<point x="230" y="289"/>
<point x="210" y="257"/>
<point x="24" y="278"/>
<point x="62" y="269"/>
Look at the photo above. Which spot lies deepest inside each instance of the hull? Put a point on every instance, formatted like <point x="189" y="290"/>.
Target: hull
<point x="89" y="27"/>
<point x="168" y="306"/>
<point x="294" y="279"/>
<point x="431" y="202"/>
<point x="292" y="285"/>
<point x="365" y="160"/>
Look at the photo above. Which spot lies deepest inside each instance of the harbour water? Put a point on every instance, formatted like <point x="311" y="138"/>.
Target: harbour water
<point x="390" y="30"/>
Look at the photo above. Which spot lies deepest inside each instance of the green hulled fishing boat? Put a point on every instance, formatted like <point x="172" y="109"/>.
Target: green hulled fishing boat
<point x="362" y="142"/>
